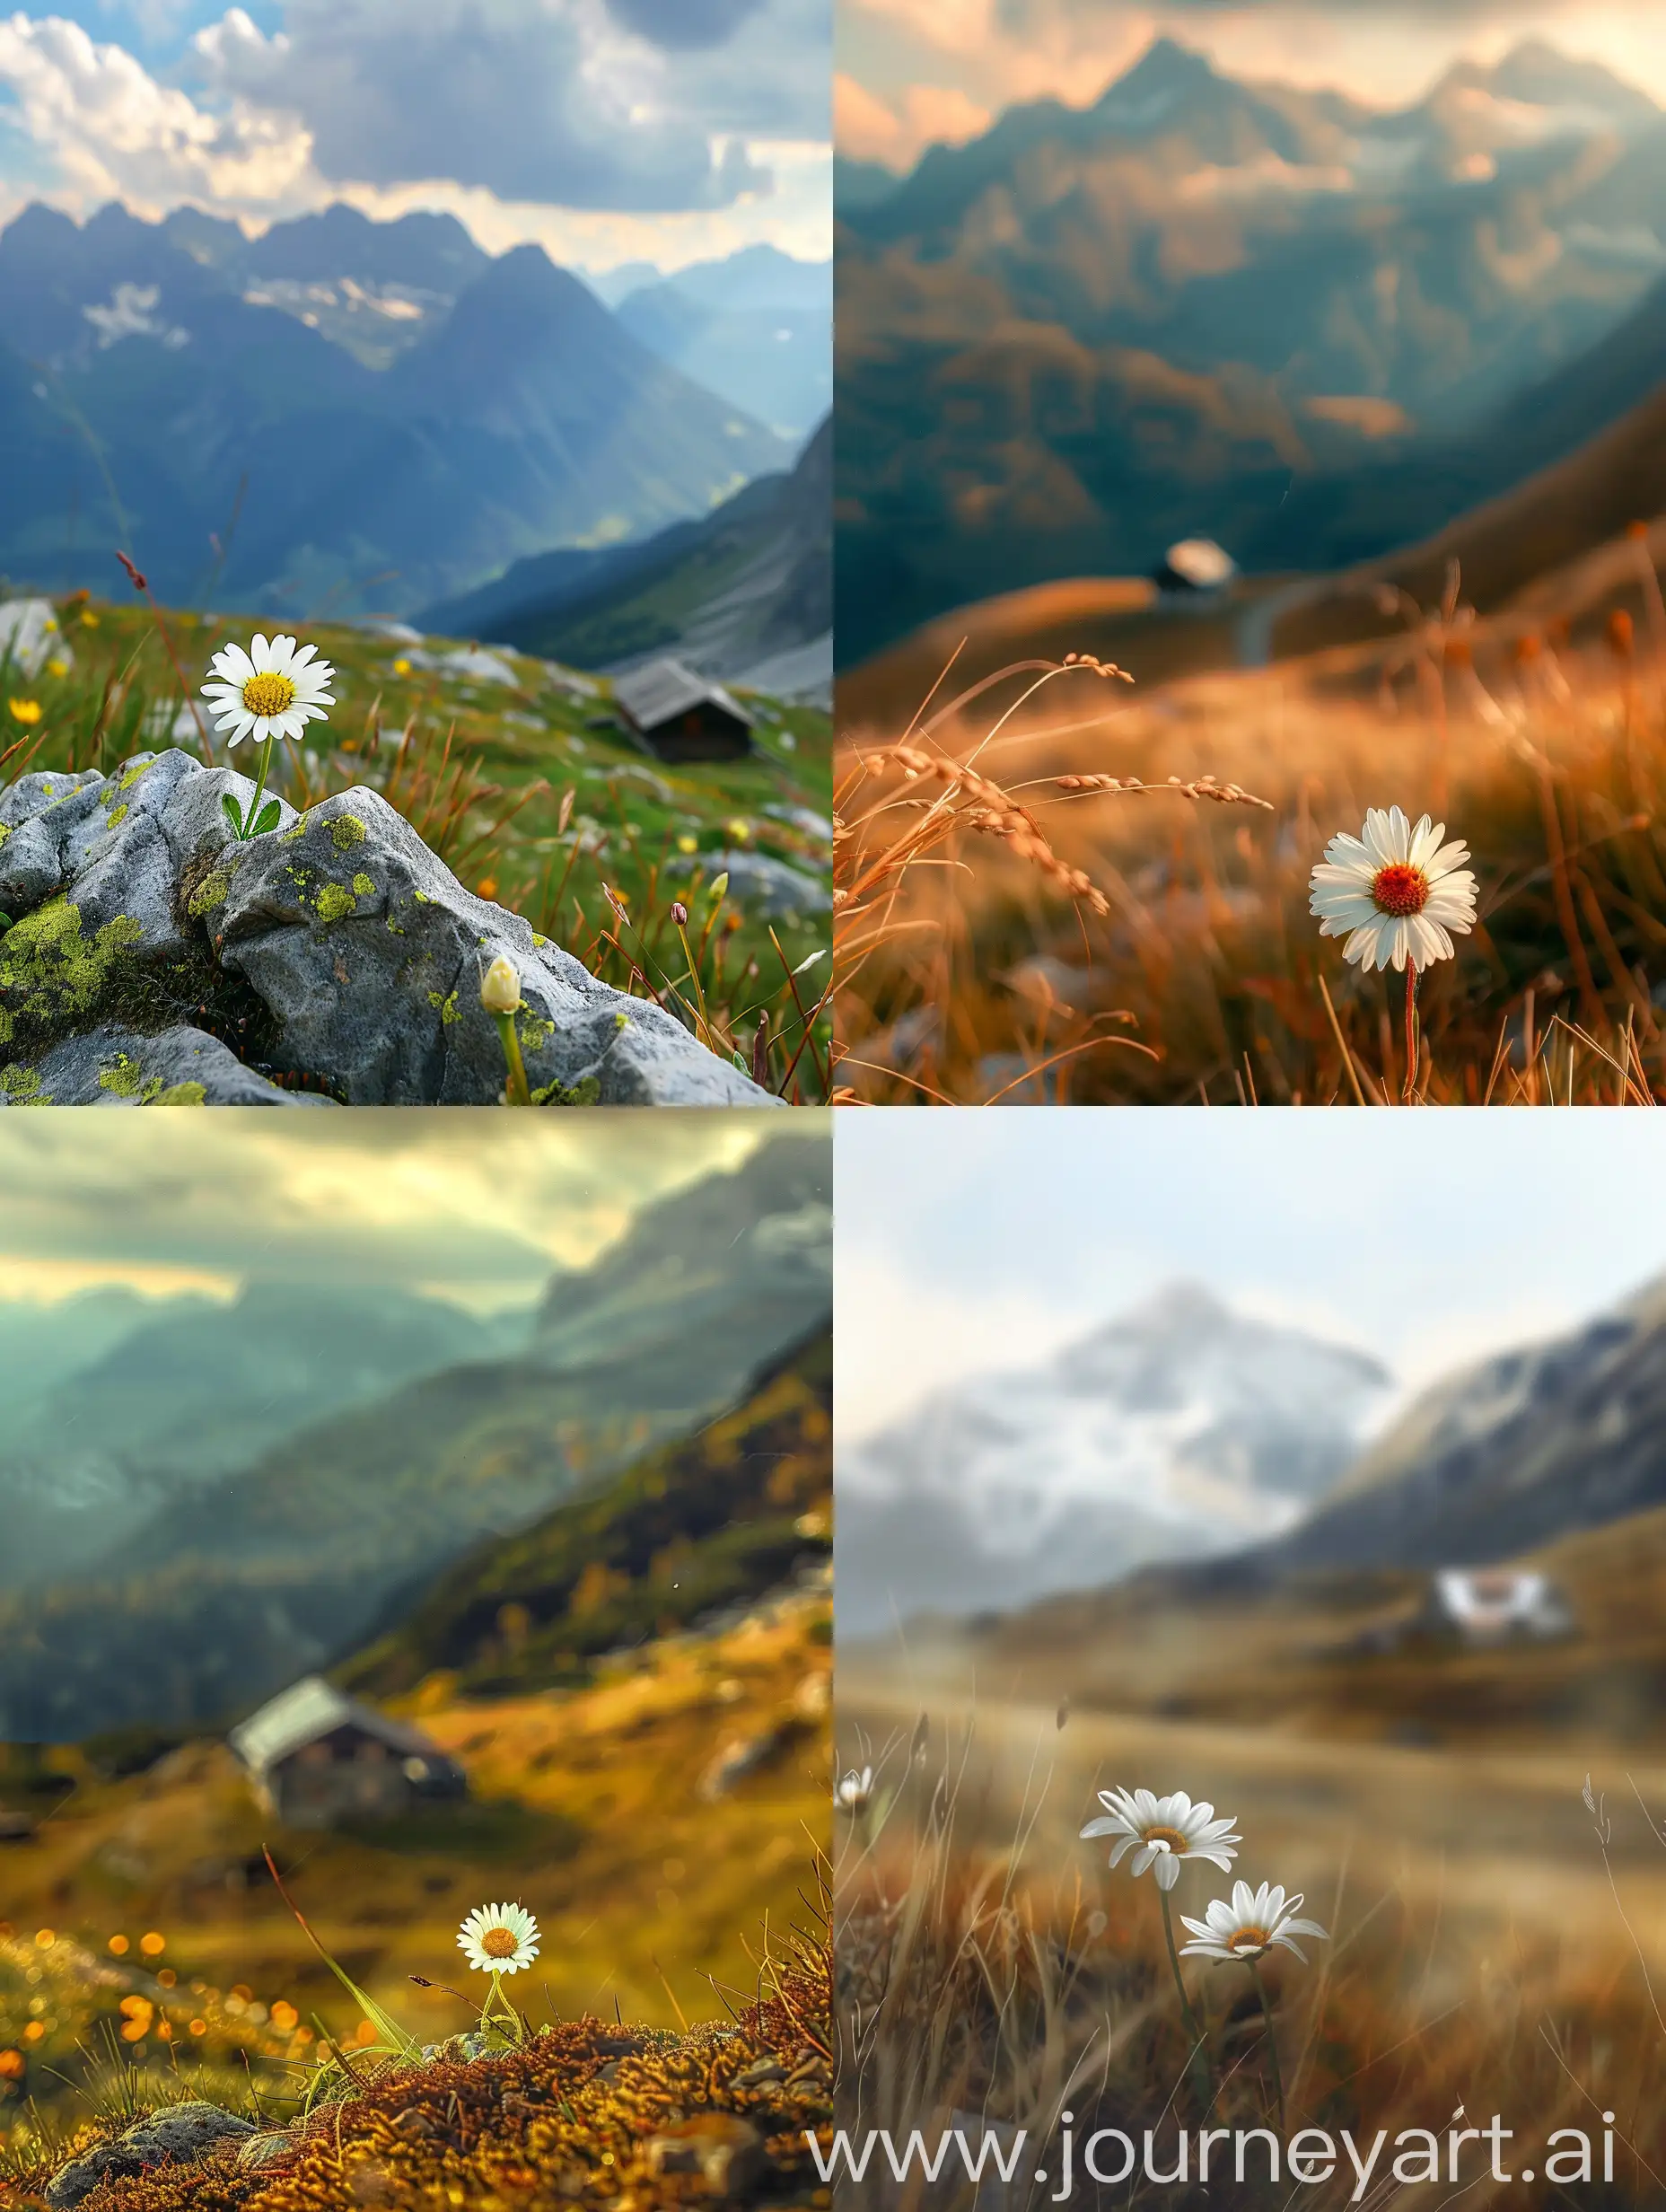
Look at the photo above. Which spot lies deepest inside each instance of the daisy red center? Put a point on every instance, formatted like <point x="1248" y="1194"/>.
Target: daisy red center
<point x="499" y="1943"/>
<point x="1249" y="1939"/>
<point x="1399" y="888"/>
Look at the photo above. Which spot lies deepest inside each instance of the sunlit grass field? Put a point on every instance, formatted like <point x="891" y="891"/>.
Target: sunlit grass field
<point x="529" y="790"/>
<point x="1011" y="926"/>
<point x="140" y="1920"/>
<point x="1492" y="1942"/>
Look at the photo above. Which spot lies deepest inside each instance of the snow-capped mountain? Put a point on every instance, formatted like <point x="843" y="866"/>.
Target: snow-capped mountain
<point x="1181" y="1430"/>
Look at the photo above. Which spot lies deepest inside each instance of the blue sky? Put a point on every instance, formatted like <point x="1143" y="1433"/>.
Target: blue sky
<point x="913" y="71"/>
<point x="606" y="130"/>
<point x="971" y="1240"/>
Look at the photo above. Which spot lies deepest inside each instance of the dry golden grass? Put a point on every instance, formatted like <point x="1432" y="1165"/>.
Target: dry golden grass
<point x="990" y="1966"/>
<point x="592" y="1807"/>
<point x="1011" y="924"/>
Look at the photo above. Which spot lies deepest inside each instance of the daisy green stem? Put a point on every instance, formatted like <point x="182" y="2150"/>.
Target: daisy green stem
<point x="251" y="818"/>
<point x="1272" y="2044"/>
<point x="1201" y="2068"/>
<point x="1411" y="1033"/>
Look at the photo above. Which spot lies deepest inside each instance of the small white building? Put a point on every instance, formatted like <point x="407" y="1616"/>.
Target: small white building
<point x="1493" y="1604"/>
<point x="1195" y="564"/>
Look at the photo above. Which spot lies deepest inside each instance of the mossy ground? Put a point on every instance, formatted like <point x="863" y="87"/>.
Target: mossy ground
<point x="587" y="1807"/>
<point x="580" y="2115"/>
<point x="530" y="792"/>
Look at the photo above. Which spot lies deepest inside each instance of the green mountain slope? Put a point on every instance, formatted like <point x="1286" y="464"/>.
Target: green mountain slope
<point x="752" y="579"/>
<point x="217" y="1601"/>
<point x="193" y="1393"/>
<point x="708" y="1523"/>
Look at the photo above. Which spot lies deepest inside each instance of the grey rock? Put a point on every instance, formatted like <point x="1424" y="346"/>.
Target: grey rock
<point x="458" y="2048"/>
<point x="725" y="2152"/>
<point x="770" y="886"/>
<point x="129" y="906"/>
<point x="29" y="635"/>
<point x="261" y="2151"/>
<point x="115" y="1066"/>
<point x="368" y="953"/>
<point x="800" y="818"/>
<point x="31" y="870"/>
<point x="174" y="2136"/>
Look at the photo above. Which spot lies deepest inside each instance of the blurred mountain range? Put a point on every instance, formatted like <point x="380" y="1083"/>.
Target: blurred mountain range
<point x="1310" y="330"/>
<point x="189" y="1393"/>
<point x="757" y="329"/>
<point x="365" y="417"/>
<point x="194" y="1593"/>
<point x="1225" y="1458"/>
<point x="732" y="592"/>
<point x="1180" y="1431"/>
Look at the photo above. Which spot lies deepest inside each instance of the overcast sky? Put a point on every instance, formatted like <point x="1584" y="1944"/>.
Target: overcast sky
<point x="474" y="1206"/>
<point x="972" y="1241"/>
<point x="606" y="130"/>
<point x="916" y="71"/>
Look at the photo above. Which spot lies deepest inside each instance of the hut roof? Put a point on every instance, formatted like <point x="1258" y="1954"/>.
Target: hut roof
<point x="661" y="690"/>
<point x="313" y="1708"/>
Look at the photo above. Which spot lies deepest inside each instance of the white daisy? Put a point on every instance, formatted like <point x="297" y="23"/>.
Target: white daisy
<point x="1254" y="1921"/>
<point x="851" y="1792"/>
<point x="1162" y="1832"/>
<point x="499" y="1939"/>
<point x="1394" y="892"/>
<point x="272" y="691"/>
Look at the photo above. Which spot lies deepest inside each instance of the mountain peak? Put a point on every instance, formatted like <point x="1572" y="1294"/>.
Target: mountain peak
<point x="1166" y="71"/>
<point x="1535" y="71"/>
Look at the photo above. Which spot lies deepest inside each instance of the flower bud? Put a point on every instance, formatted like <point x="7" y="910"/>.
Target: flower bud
<point x="679" y="914"/>
<point x="500" y="986"/>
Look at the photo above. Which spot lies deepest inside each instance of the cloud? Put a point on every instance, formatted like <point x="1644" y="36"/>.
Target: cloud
<point x="558" y="100"/>
<point x="447" y="1198"/>
<point x="1382" y="52"/>
<point x="578" y="125"/>
<point x="116" y="132"/>
<point x="684" y="25"/>
<point x="866" y="127"/>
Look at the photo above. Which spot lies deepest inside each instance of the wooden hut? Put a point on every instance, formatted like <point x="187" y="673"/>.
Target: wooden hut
<point x="680" y="715"/>
<point x="315" y="1757"/>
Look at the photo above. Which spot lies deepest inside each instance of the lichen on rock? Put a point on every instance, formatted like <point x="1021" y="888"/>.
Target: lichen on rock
<point x="136" y="917"/>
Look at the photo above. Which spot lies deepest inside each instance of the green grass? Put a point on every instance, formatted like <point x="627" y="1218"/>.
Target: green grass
<point x="533" y="795"/>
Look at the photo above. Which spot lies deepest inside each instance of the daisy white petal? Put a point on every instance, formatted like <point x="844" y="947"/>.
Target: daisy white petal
<point x="1394" y="894"/>
<point x="1249" y="1923"/>
<point x="274" y="689"/>
<point x="1162" y="1832"/>
<point x="499" y="1939"/>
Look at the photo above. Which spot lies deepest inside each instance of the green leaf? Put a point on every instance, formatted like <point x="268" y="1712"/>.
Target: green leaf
<point x="6" y="923"/>
<point x="233" y="813"/>
<point x="269" y="814"/>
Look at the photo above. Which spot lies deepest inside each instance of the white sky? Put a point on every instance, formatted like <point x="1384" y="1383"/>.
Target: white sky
<point x="912" y="72"/>
<point x="972" y="1239"/>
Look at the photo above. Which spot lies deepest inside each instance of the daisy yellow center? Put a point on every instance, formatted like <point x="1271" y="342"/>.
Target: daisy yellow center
<point x="268" y="695"/>
<point x="1166" y="1839"/>
<point x="499" y="1943"/>
<point x="1249" y="1939"/>
<point x="1400" y="890"/>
